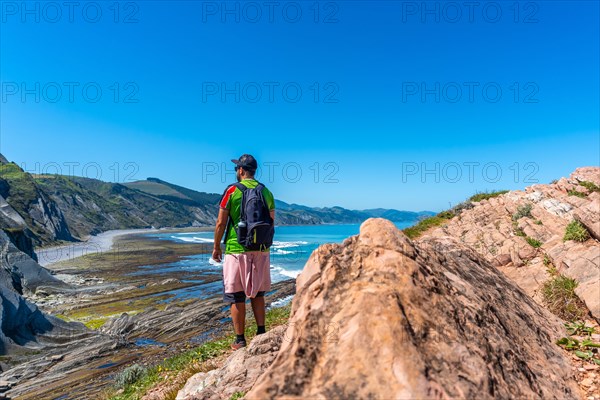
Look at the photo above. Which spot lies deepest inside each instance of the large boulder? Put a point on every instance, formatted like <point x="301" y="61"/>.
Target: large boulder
<point x="382" y="317"/>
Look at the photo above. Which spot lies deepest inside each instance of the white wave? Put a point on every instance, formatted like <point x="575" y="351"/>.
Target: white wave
<point x="285" y="272"/>
<point x="194" y="239"/>
<point x="279" y="251"/>
<point x="282" y="302"/>
<point x="282" y="245"/>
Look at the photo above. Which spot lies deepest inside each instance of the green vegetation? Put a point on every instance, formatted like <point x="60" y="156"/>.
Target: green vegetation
<point x="130" y="376"/>
<point x="576" y="231"/>
<point x="574" y="192"/>
<point x="585" y="348"/>
<point x="548" y="264"/>
<point x="11" y="171"/>
<point x="22" y="189"/>
<point x="87" y="320"/>
<point x="533" y="242"/>
<point x="425" y="224"/>
<point x="518" y="230"/>
<point x="558" y="294"/>
<point x="486" y="195"/>
<point x="237" y="395"/>
<point x="136" y="382"/>
<point x="591" y="186"/>
<point x="522" y="211"/>
<point x="578" y="328"/>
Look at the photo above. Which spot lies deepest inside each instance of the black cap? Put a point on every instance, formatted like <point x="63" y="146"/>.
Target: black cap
<point x="247" y="162"/>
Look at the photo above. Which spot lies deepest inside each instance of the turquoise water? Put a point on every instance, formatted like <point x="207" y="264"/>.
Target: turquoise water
<point x="291" y="248"/>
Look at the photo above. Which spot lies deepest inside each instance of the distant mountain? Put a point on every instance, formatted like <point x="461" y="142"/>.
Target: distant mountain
<point x="287" y="214"/>
<point x="397" y="215"/>
<point x="54" y="208"/>
<point x="169" y="191"/>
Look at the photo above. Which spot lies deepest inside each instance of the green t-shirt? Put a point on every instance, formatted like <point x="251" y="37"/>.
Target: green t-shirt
<point x="232" y="201"/>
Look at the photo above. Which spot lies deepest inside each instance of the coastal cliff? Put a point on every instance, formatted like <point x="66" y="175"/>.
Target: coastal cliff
<point x="26" y="207"/>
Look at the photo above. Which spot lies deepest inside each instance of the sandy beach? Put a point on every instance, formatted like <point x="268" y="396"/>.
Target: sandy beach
<point x="95" y="244"/>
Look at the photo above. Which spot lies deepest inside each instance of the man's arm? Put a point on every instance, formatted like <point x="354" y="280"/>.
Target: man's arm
<point x="219" y="231"/>
<point x="272" y="212"/>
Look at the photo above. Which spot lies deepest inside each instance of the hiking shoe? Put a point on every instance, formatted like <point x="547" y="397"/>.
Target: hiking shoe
<point x="238" y="345"/>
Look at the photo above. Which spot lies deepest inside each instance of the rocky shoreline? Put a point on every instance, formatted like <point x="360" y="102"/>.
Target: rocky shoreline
<point x="132" y="315"/>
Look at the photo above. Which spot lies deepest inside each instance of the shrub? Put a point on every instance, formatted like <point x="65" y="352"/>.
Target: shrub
<point x="591" y="186"/>
<point x="558" y="294"/>
<point x="533" y="242"/>
<point x="576" y="231"/>
<point x="130" y="375"/>
<point x="522" y="211"/>
<point x="574" y="192"/>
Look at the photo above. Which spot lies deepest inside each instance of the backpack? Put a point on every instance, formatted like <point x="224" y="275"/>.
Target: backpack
<point x="255" y="230"/>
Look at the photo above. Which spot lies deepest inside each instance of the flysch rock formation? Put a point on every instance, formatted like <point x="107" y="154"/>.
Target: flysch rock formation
<point x="79" y="368"/>
<point x="22" y="325"/>
<point x="489" y="229"/>
<point x="379" y="316"/>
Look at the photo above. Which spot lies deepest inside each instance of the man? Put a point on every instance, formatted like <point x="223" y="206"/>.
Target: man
<point x="245" y="272"/>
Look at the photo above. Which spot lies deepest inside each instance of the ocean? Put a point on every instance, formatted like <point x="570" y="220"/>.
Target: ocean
<point x="291" y="247"/>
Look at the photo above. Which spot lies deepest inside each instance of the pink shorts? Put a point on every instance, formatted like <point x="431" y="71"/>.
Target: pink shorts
<point x="248" y="272"/>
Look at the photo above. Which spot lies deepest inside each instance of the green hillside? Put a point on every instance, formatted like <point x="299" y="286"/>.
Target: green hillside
<point x="58" y="208"/>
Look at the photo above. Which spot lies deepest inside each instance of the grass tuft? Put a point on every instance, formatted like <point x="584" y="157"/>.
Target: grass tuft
<point x="533" y="242"/>
<point x="559" y="296"/>
<point x="576" y="231"/>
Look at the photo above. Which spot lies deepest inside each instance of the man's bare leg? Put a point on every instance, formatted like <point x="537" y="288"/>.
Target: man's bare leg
<point x="238" y="316"/>
<point x="258" y="307"/>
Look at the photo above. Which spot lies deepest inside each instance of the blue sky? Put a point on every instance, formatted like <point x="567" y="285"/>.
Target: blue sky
<point x="394" y="104"/>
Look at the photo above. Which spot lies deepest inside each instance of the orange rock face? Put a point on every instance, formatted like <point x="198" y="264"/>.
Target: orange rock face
<point x="382" y="317"/>
<point x="490" y="228"/>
